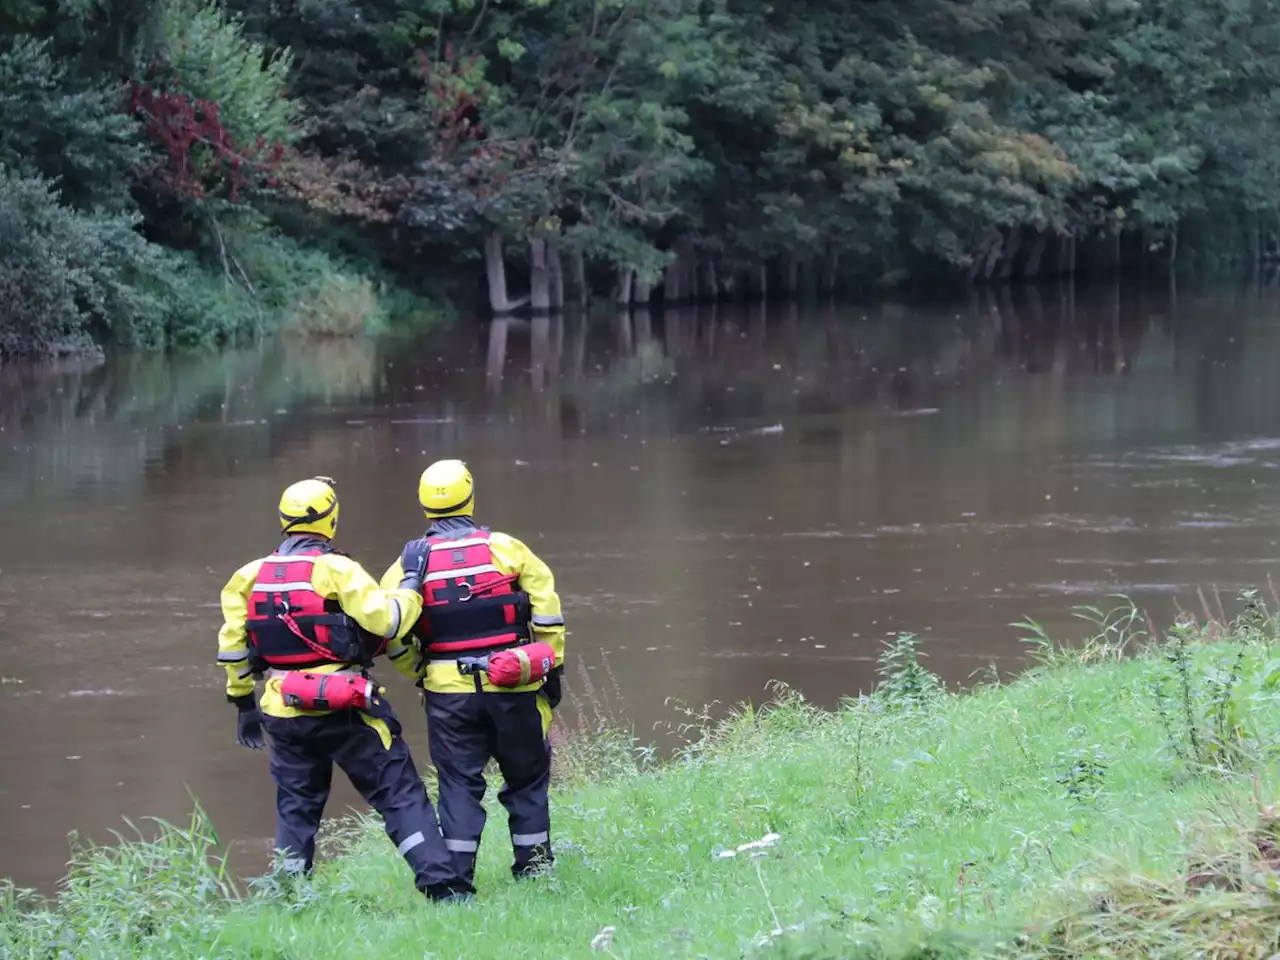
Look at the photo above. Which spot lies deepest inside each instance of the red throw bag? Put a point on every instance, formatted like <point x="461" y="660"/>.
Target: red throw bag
<point x="520" y="665"/>
<point x="326" y="691"/>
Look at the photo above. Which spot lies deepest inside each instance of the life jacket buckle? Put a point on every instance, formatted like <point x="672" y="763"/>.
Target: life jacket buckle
<point x="464" y="586"/>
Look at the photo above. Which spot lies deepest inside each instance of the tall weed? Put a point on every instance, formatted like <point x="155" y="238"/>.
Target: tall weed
<point x="904" y="683"/>
<point x="140" y="895"/>
<point x="1117" y="632"/>
<point x="1198" y="705"/>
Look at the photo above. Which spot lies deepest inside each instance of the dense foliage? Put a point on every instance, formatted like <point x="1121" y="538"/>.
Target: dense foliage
<point x="155" y="153"/>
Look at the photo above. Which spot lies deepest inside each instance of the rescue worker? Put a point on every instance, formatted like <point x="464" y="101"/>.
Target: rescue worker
<point x="312" y="620"/>
<point x="484" y="592"/>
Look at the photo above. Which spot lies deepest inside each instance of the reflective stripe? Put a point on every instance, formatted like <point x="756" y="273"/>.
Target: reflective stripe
<point x="398" y="654"/>
<point x="395" y="624"/>
<point x="232" y="656"/>
<point x="410" y="842"/>
<point x="459" y="544"/>
<point x="277" y="558"/>
<point x="528" y="839"/>
<point x="547" y="620"/>
<point x="283" y="587"/>
<point x="461" y="572"/>
<point x="462" y="846"/>
<point x="245" y="673"/>
<point x="294" y="864"/>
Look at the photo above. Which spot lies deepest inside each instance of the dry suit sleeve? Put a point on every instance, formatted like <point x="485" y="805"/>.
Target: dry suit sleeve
<point x="536" y="580"/>
<point x="384" y="613"/>
<point x="233" y="639"/>
<point x="401" y="652"/>
<point x="391" y="579"/>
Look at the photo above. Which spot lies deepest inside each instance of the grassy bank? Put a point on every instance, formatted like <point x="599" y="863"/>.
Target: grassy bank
<point x="1110" y="802"/>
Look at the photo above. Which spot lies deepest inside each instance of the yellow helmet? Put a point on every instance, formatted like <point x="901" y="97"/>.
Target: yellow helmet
<point x="310" y="506"/>
<point x="445" y="490"/>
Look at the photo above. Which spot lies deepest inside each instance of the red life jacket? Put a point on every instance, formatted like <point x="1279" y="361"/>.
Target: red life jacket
<point x="290" y="625"/>
<point x="468" y="604"/>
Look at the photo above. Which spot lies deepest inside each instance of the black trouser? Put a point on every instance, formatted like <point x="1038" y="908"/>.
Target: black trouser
<point x="464" y="731"/>
<point x="303" y="752"/>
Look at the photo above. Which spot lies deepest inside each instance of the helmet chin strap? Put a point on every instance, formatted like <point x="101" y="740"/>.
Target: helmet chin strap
<point x="446" y="511"/>
<point x="311" y="516"/>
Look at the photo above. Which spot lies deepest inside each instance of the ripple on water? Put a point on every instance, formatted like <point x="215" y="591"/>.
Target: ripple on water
<point x="1099" y="589"/>
<point x="104" y="692"/>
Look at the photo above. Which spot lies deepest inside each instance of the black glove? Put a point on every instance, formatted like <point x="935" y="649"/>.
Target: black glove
<point x="414" y="562"/>
<point x="248" y="723"/>
<point x="551" y="687"/>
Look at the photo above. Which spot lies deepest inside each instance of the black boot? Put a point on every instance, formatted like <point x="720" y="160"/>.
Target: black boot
<point x="456" y="892"/>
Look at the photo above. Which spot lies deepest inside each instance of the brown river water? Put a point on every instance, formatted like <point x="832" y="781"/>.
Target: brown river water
<point x="727" y="497"/>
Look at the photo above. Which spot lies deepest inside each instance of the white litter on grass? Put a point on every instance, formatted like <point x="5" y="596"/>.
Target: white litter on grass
<point x="765" y="939"/>
<point x="764" y="843"/>
<point x="604" y="939"/>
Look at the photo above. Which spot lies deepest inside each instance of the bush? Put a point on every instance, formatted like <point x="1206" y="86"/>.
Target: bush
<point x="70" y="278"/>
<point x="339" y="306"/>
<point x="304" y="291"/>
<point x="63" y="271"/>
<point x="57" y="129"/>
<point x="207" y="57"/>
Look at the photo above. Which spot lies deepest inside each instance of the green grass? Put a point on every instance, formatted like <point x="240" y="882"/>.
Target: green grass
<point x="1059" y="815"/>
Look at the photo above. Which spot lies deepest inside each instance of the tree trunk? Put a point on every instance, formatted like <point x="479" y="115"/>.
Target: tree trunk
<point x="832" y="269"/>
<point x="793" y="276"/>
<point x="728" y="283"/>
<point x="625" y="279"/>
<point x="1032" y="269"/>
<point x="622" y="330"/>
<point x="760" y="322"/>
<point x="1009" y="263"/>
<point x="671" y="291"/>
<point x="1173" y="247"/>
<point x="580" y="278"/>
<point x="763" y="281"/>
<point x="689" y="256"/>
<point x="539" y="277"/>
<point x="681" y="281"/>
<point x="497" y="273"/>
<point x="556" y="266"/>
<point x="993" y="258"/>
<point x="642" y="292"/>
<point x="976" y="264"/>
<point x="713" y="281"/>
<point x="1067" y="256"/>
<point x="643" y="325"/>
